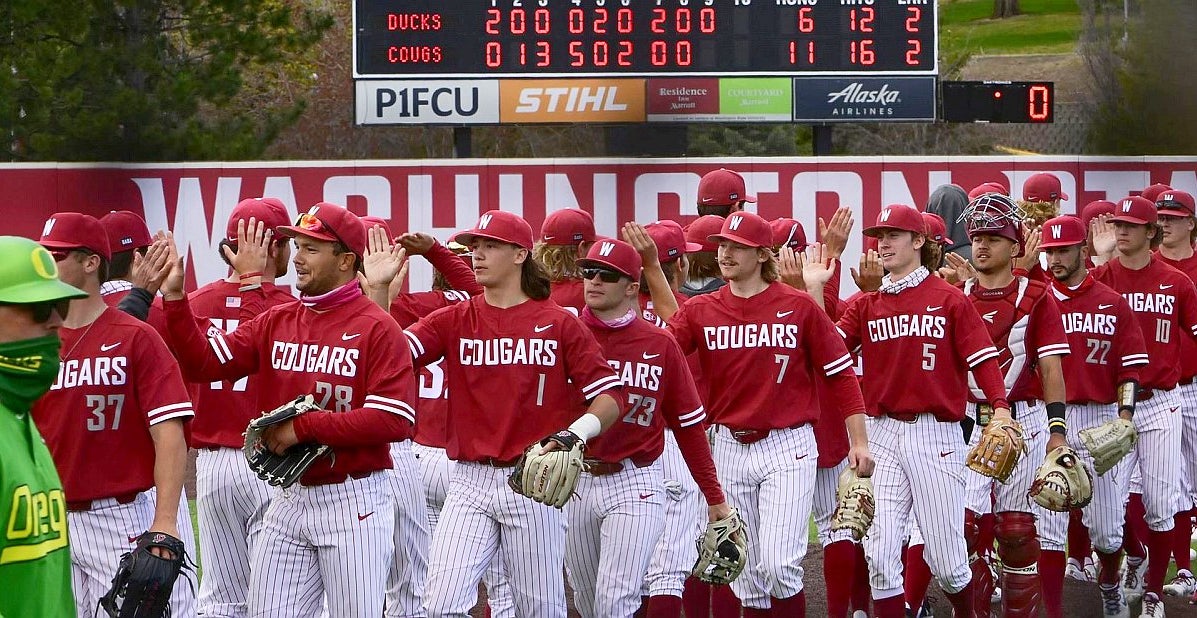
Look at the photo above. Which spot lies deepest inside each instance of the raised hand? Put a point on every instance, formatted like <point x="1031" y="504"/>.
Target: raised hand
<point x="789" y="266"/>
<point x="151" y="270"/>
<point x="868" y="278"/>
<point x="835" y="234"/>
<point x="417" y="243"/>
<point x="635" y="234"/>
<point x="253" y="247"/>
<point x="382" y="261"/>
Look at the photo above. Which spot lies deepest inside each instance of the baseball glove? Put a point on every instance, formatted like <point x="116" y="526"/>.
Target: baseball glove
<point x="1109" y="442"/>
<point x="1062" y="483"/>
<point x="854" y="504"/>
<point x="549" y="478"/>
<point x="143" y="582"/>
<point x="281" y="470"/>
<point x="722" y="551"/>
<point x="999" y="449"/>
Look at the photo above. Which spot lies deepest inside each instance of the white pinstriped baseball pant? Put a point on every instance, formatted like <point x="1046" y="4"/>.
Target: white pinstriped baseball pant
<point x="229" y="502"/>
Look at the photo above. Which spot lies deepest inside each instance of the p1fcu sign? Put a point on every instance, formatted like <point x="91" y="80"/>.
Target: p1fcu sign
<point x="456" y="102"/>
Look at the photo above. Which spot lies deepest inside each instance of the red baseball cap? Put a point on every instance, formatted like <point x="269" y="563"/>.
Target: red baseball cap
<point x="722" y="187"/>
<point x="269" y="210"/>
<point x="897" y="217"/>
<point x="74" y="230"/>
<point x="670" y="240"/>
<point x="788" y="233"/>
<point x="499" y="225"/>
<point x="745" y="228"/>
<point x="1137" y="210"/>
<point x="700" y="230"/>
<point x="1042" y="187"/>
<point x="616" y="255"/>
<point x="330" y="223"/>
<point x="1153" y="192"/>
<point x="988" y="187"/>
<point x="126" y="231"/>
<point x="1094" y="209"/>
<point x="369" y="221"/>
<point x="1175" y="204"/>
<point x="937" y="229"/>
<point x="1063" y="231"/>
<point x="567" y="227"/>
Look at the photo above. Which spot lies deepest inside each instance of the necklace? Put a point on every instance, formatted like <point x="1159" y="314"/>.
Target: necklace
<point x="81" y="338"/>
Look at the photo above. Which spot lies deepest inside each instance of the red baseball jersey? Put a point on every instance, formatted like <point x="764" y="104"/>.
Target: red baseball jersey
<point x="224" y="408"/>
<point x="917" y="346"/>
<point x="1103" y="331"/>
<point x="349" y="358"/>
<point x="570" y="294"/>
<point x="117" y="379"/>
<point x="1188" y="346"/>
<point x="646" y="307"/>
<point x="432" y="392"/>
<point x="760" y="355"/>
<point x="659" y="392"/>
<point x="1024" y="323"/>
<point x="516" y="373"/>
<point x="116" y="292"/>
<point x="831" y="434"/>
<point x="1165" y="303"/>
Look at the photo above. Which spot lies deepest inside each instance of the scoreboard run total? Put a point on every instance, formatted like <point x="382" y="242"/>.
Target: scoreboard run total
<point x="643" y="38"/>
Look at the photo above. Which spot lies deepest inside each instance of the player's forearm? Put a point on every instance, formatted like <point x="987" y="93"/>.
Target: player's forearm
<point x="831" y="291"/>
<point x="989" y="379"/>
<point x="858" y="435"/>
<point x="605" y="407"/>
<point x="845" y="391"/>
<point x="1051" y="375"/>
<point x="692" y="442"/>
<point x="379" y="295"/>
<point x="197" y="359"/>
<point x="664" y="302"/>
<point x="170" y="465"/>
<point x="136" y="303"/>
<point x="817" y="293"/>
<point x="355" y="428"/>
<point x="459" y="276"/>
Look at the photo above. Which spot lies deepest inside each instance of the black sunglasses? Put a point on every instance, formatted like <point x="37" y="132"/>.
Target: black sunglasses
<point x="41" y="311"/>
<point x="604" y="275"/>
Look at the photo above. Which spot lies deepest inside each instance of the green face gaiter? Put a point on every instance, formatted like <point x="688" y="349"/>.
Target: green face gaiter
<point x="27" y="369"/>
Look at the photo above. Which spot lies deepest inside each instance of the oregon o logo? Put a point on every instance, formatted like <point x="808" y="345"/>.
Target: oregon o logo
<point x="43" y="264"/>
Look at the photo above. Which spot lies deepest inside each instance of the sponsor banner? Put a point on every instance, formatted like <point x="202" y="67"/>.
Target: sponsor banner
<point x="683" y="100"/>
<point x="571" y="100"/>
<point x="427" y="102"/>
<point x="864" y="99"/>
<point x="443" y="196"/>
<point x="755" y="99"/>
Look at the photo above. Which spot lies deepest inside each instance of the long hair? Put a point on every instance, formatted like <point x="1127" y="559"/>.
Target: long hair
<point x="770" y="271"/>
<point x="931" y="255"/>
<point x="704" y="264"/>
<point x="559" y="262"/>
<point x="534" y="281"/>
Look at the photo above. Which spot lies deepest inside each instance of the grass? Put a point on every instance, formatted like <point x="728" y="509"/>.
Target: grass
<point x="1044" y="27"/>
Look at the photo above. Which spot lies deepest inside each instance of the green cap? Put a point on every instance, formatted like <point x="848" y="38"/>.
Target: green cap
<point x="28" y="274"/>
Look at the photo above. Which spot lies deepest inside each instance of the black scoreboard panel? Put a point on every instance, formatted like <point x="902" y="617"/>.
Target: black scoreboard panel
<point x="647" y="38"/>
<point x="999" y="102"/>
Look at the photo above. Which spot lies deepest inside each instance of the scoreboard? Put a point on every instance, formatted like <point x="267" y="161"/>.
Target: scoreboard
<point x="464" y="39"/>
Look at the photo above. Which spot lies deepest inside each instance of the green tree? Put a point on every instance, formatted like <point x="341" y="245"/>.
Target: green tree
<point x="146" y="80"/>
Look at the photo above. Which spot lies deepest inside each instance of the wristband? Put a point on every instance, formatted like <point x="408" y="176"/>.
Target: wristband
<point x="1128" y="393"/>
<point x="587" y="427"/>
<point x="1055" y="418"/>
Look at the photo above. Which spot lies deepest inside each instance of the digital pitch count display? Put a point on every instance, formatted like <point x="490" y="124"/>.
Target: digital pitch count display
<point x="581" y="38"/>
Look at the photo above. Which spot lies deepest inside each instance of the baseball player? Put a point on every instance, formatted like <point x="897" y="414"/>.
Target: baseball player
<point x="615" y="525"/>
<point x="114" y="423"/>
<point x="543" y="361"/>
<point x="763" y="442"/>
<point x="1175" y="211"/>
<point x="35" y="563"/>
<point x="1165" y="304"/>
<point x="331" y="535"/>
<point x="1152" y="192"/>
<point x="722" y="192"/>
<point x="916" y="433"/>
<point x="948" y="201"/>
<point x="565" y="236"/>
<point x="1024" y="322"/>
<point x="229" y="496"/>
<point x="702" y="276"/>
<point x="127" y="235"/>
<point x="1102" y="376"/>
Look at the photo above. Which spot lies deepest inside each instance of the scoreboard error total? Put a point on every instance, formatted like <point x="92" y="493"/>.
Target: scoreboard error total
<point x="646" y="38"/>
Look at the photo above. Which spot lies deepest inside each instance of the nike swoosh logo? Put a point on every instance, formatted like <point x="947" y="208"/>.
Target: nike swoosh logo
<point x="1165" y="287"/>
<point x="782" y="314"/>
<point x="363" y="517"/>
<point x="946" y="453"/>
<point x="930" y="308"/>
<point x="1104" y="307"/>
<point x="109" y="346"/>
<point x="541" y="329"/>
<point x="348" y="337"/>
<point x="648" y="356"/>
<point x="801" y="457"/>
<point x="1173" y="410"/>
<point x="707" y="200"/>
<point x="645" y="496"/>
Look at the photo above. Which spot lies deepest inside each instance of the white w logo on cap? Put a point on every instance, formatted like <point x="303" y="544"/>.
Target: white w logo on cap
<point x="606" y="248"/>
<point x="1126" y="205"/>
<point x="484" y="221"/>
<point x="1167" y="197"/>
<point x="734" y="223"/>
<point x="885" y="215"/>
<point x="1056" y="230"/>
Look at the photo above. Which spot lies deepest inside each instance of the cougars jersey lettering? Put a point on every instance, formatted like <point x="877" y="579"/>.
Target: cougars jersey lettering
<point x="1164" y="302"/>
<point x="779" y="336"/>
<point x="1188" y="346"/>
<point x="117" y="380"/>
<point x="1025" y="325"/>
<point x="1106" y="340"/>
<point x="880" y="326"/>
<point x="485" y="347"/>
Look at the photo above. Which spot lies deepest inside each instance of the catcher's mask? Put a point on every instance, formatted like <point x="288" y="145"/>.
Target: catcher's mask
<point x="997" y="215"/>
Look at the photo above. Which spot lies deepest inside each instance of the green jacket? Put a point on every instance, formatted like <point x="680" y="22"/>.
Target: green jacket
<point x="35" y="561"/>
